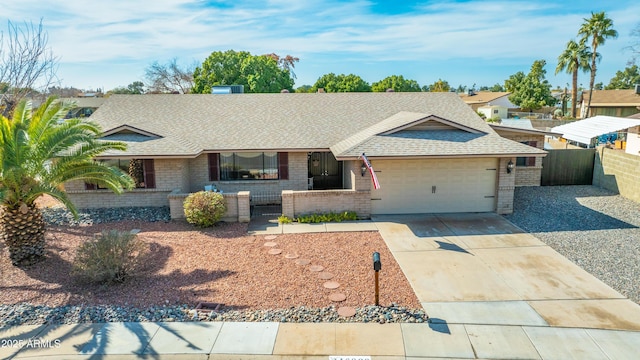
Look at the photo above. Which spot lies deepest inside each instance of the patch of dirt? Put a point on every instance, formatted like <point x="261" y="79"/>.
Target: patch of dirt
<point x="219" y="265"/>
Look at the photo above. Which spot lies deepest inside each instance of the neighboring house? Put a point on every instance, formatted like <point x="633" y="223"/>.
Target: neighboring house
<point x="493" y="111"/>
<point x="621" y="103"/>
<point x="83" y="106"/>
<point x="600" y="130"/>
<point x="528" y="168"/>
<point x="430" y="151"/>
<point x="486" y="98"/>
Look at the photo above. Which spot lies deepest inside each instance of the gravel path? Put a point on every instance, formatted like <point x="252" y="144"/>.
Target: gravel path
<point x="595" y="228"/>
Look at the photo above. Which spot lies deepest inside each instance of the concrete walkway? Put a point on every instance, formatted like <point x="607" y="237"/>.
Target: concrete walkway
<point x="492" y="291"/>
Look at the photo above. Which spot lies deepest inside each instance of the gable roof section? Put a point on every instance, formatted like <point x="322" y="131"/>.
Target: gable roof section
<point x="130" y="129"/>
<point x="481" y="97"/>
<point x="584" y="130"/>
<point x="609" y="98"/>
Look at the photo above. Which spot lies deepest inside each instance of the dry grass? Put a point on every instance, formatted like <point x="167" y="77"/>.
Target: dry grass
<point x="221" y="265"/>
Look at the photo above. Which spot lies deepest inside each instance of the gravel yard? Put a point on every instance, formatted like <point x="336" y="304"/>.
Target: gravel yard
<point x="220" y="265"/>
<point x="595" y="228"/>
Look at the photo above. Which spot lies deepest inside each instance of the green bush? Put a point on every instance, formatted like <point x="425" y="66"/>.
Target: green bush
<point x="328" y="217"/>
<point x="204" y="208"/>
<point x="282" y="219"/>
<point x="110" y="257"/>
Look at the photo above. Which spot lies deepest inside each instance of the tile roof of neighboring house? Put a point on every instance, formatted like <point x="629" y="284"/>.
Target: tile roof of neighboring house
<point x="190" y="124"/>
<point x="482" y="97"/>
<point x="603" y="98"/>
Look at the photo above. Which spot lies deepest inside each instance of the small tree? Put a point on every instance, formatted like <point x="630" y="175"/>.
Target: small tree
<point x="169" y="78"/>
<point x="531" y="91"/>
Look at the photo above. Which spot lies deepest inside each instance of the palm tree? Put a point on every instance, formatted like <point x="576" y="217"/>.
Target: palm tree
<point x="574" y="58"/>
<point x="599" y="28"/>
<point x="40" y="151"/>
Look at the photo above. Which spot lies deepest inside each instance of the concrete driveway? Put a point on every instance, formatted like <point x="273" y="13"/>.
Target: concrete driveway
<point x="482" y="269"/>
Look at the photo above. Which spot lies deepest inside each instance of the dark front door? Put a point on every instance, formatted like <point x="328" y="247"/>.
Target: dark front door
<point x="325" y="170"/>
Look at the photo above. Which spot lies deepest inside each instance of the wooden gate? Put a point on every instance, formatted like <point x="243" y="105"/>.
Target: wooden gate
<point x="568" y="167"/>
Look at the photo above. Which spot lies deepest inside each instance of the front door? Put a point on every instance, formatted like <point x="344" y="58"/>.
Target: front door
<point x="325" y="170"/>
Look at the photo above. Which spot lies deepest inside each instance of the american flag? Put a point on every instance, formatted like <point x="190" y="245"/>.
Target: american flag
<point x="374" y="178"/>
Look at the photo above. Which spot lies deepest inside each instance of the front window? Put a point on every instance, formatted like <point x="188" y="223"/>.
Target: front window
<point x="249" y="166"/>
<point x="134" y="167"/>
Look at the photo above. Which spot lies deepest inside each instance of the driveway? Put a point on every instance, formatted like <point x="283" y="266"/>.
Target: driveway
<point x="482" y="269"/>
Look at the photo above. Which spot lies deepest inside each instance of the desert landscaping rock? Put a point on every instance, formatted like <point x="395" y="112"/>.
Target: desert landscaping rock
<point x="275" y="251"/>
<point x="303" y="262"/>
<point x="325" y="275"/>
<point x="270" y="244"/>
<point x="58" y="215"/>
<point x="337" y="297"/>
<point x="331" y="285"/>
<point x="316" y="268"/>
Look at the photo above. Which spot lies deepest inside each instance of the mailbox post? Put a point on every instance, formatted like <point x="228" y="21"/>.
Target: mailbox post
<point x="377" y="266"/>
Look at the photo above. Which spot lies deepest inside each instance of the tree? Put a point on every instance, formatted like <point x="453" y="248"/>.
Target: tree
<point x="39" y="152"/>
<point x="439" y="86"/>
<point x="26" y="63"/>
<point x="635" y="45"/>
<point x="599" y="28"/>
<point x="341" y="83"/>
<point x="304" y="89"/>
<point x="531" y="91"/>
<point x="169" y="78"/>
<point x="397" y="83"/>
<point x="497" y="88"/>
<point x="626" y="79"/>
<point x="574" y="58"/>
<point x="258" y="74"/>
<point x="285" y="63"/>
<point x="135" y="88"/>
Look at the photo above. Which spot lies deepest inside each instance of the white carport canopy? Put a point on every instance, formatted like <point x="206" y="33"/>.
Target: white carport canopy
<point x="584" y="130"/>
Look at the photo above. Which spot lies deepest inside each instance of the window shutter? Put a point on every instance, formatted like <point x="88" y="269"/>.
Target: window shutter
<point x="88" y="186"/>
<point x="531" y="161"/>
<point x="283" y="165"/>
<point x="214" y="172"/>
<point x="533" y="144"/>
<point x="149" y="174"/>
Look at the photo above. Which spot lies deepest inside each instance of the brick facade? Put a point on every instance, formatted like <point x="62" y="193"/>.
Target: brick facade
<point x="527" y="175"/>
<point x="617" y="171"/>
<point x="506" y="187"/>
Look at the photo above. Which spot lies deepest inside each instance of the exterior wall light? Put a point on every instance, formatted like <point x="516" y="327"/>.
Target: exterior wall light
<point x="510" y="166"/>
<point x="363" y="169"/>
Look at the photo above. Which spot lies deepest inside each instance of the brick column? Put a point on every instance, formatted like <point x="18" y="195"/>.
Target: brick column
<point x="176" y="204"/>
<point x="244" y="206"/>
<point x="506" y="187"/>
<point x="287" y="204"/>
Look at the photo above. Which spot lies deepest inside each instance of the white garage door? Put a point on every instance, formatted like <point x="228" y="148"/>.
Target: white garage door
<point x="435" y="186"/>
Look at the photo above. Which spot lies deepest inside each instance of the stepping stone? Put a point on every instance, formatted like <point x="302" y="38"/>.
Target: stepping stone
<point x="270" y="237"/>
<point x="291" y="256"/>
<point x="325" y="275"/>
<point x="317" y="268"/>
<point x="270" y="244"/>
<point x="303" y="261"/>
<point x="346" y="311"/>
<point x="337" y="297"/>
<point x="331" y="285"/>
<point x="275" y="251"/>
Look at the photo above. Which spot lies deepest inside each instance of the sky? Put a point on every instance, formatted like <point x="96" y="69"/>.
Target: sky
<point x="106" y="44"/>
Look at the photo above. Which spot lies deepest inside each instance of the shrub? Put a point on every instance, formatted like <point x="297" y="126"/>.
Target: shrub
<point x="328" y="217"/>
<point x="282" y="219"/>
<point x="110" y="257"/>
<point x="204" y="208"/>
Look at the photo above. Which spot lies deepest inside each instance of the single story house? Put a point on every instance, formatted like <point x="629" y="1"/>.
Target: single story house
<point x="619" y="103"/>
<point x="478" y="99"/>
<point x="430" y="151"/>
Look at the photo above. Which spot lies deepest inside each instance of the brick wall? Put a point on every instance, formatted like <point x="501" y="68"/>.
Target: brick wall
<point x="527" y="175"/>
<point x="238" y="207"/>
<point x="617" y="171"/>
<point x="295" y="203"/>
<point x="506" y="187"/>
<point x="171" y="174"/>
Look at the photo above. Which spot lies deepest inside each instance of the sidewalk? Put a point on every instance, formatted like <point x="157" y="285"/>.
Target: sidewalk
<point x="291" y="341"/>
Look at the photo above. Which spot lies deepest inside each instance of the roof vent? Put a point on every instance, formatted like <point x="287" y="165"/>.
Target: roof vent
<point x="227" y="89"/>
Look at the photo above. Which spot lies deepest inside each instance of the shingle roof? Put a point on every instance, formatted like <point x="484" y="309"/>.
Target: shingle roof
<point x="482" y="97"/>
<point x="190" y="124"/>
<point x="613" y="98"/>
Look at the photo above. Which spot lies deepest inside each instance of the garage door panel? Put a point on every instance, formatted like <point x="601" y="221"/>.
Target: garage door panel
<point x="461" y="185"/>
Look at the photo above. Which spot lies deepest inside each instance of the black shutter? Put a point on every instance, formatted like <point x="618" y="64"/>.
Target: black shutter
<point x="214" y="172"/>
<point x="149" y="174"/>
<point x="283" y="165"/>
